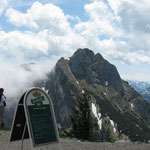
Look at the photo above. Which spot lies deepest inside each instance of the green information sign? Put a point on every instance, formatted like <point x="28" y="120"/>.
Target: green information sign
<point x="40" y="117"/>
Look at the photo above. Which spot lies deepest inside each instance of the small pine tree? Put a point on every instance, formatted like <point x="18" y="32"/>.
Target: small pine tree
<point x="82" y="121"/>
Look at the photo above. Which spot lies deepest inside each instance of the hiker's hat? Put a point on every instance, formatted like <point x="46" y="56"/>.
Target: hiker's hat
<point x="2" y="89"/>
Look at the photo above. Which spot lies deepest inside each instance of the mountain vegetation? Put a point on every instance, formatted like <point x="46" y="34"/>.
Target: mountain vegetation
<point x="83" y="123"/>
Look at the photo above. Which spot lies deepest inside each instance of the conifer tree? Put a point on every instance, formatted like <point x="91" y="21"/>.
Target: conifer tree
<point x="82" y="121"/>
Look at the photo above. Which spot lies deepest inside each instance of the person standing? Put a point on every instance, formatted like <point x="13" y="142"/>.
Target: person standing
<point x="2" y="106"/>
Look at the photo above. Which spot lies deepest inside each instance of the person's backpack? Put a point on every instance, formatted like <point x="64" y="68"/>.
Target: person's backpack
<point x="1" y="98"/>
<point x="1" y="93"/>
<point x="4" y="103"/>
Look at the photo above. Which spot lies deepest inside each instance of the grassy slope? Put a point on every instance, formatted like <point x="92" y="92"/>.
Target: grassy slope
<point x="127" y="121"/>
<point x="5" y="128"/>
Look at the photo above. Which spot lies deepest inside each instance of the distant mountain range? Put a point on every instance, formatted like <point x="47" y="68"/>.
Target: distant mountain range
<point x="141" y="87"/>
<point x="146" y="94"/>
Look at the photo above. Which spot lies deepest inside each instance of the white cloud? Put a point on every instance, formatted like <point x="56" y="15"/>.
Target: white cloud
<point x="16" y="79"/>
<point x="96" y="9"/>
<point x="114" y="4"/>
<point x="50" y="20"/>
<point x="134" y="17"/>
<point x="101" y="20"/>
<point x="56" y="37"/>
<point x="129" y="20"/>
<point x="135" y="21"/>
<point x="3" y="5"/>
<point x="51" y="36"/>
<point x="40" y="17"/>
<point x="19" y="19"/>
<point x="21" y="46"/>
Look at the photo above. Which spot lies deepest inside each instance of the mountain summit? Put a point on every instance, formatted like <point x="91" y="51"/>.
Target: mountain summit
<point x="112" y="98"/>
<point x="94" y="69"/>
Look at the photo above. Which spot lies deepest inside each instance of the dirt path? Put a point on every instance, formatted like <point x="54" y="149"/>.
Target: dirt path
<point x="68" y="144"/>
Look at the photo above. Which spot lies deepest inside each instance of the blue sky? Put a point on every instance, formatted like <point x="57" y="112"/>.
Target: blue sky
<point x="43" y="31"/>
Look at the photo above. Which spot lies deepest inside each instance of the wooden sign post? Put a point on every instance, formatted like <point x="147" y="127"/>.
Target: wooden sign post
<point x="35" y="119"/>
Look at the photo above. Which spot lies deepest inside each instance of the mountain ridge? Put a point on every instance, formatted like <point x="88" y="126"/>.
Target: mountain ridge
<point x="139" y="86"/>
<point x="146" y="94"/>
<point x="142" y="87"/>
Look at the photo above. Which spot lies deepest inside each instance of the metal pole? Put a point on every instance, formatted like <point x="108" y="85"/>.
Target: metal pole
<point x="8" y="145"/>
<point x="60" y="147"/>
<point x="46" y="147"/>
<point x="23" y="135"/>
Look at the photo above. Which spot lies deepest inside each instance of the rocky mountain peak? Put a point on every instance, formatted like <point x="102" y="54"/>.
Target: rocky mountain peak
<point x="98" y="57"/>
<point x="84" y="53"/>
<point x="86" y="56"/>
<point x="86" y="70"/>
<point x="93" y="68"/>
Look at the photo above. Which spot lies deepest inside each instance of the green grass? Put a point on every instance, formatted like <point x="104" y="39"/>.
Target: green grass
<point x="5" y="128"/>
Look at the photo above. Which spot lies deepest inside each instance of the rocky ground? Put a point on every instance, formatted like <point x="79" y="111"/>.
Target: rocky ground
<point x="70" y="144"/>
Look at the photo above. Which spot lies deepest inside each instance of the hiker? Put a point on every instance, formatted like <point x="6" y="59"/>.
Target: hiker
<point x="2" y="106"/>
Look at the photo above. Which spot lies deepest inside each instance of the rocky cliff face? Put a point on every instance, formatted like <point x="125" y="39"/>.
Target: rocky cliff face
<point x="112" y="96"/>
